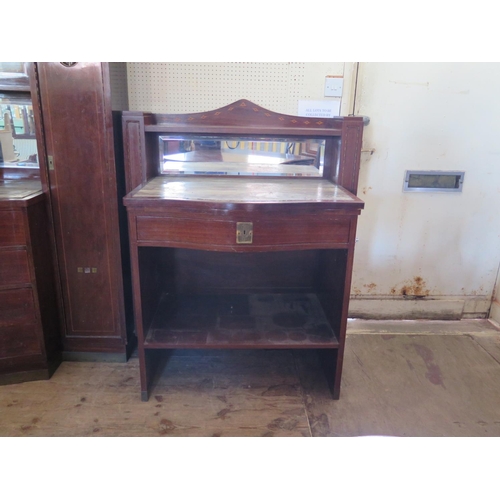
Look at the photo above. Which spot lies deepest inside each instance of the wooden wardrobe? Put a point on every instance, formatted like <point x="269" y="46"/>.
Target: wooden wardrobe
<point x="85" y="185"/>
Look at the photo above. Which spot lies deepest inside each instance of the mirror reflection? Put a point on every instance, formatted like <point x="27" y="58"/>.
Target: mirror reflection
<point x="17" y="131"/>
<point x="209" y="155"/>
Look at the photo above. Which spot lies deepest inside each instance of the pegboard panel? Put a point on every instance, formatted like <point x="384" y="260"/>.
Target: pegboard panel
<point x="118" y="82"/>
<point x="196" y="87"/>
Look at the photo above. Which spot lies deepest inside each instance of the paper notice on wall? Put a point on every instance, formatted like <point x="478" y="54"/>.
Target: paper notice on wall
<point x="319" y="109"/>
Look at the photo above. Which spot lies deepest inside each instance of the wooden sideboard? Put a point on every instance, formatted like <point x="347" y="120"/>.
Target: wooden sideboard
<point x="29" y="323"/>
<point x="228" y="259"/>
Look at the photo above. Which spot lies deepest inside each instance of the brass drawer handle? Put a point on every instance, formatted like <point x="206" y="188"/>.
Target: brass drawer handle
<point x="244" y="232"/>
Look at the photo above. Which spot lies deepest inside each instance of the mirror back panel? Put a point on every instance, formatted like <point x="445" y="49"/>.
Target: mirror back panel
<point x="241" y="155"/>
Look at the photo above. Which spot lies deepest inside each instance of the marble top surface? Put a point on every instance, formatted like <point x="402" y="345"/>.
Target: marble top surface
<point x="244" y="190"/>
<point x="19" y="189"/>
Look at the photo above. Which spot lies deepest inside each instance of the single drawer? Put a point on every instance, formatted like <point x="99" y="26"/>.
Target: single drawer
<point x="14" y="268"/>
<point x="17" y="307"/>
<point x="317" y="231"/>
<point x="11" y="228"/>
<point x="266" y="232"/>
<point x="20" y="340"/>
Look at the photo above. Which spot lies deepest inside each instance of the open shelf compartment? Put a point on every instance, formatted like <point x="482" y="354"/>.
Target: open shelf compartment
<point x="196" y="299"/>
<point x="259" y="320"/>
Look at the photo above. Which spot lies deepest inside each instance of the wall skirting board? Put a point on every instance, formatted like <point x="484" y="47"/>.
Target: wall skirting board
<point x="437" y="308"/>
<point x="495" y="311"/>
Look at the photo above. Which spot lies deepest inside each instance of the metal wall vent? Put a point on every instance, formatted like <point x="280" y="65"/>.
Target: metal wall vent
<point x="433" y="180"/>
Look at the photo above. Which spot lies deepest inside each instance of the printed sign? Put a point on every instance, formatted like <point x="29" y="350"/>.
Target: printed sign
<point x="319" y="109"/>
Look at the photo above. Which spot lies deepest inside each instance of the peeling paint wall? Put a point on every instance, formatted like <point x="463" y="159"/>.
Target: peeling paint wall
<point x="434" y="252"/>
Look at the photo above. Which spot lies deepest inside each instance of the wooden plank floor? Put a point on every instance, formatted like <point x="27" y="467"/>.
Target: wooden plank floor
<point x="400" y="379"/>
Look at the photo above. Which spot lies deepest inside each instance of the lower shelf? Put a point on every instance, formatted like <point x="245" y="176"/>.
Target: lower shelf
<point x="260" y="320"/>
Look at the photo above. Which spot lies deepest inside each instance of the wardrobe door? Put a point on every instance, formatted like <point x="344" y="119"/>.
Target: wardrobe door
<point x="78" y="129"/>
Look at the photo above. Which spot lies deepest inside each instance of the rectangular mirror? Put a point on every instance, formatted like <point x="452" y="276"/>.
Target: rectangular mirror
<point x="14" y="76"/>
<point x="253" y="156"/>
<point x="17" y="130"/>
<point x="18" y="148"/>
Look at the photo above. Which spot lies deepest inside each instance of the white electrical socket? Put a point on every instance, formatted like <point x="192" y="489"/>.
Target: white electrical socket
<point x="334" y="86"/>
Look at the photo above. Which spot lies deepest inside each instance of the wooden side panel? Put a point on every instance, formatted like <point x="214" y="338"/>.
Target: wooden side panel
<point x="198" y="271"/>
<point x="78" y="132"/>
<point x="134" y="150"/>
<point x="28" y="300"/>
<point x="11" y="228"/>
<point x="334" y="284"/>
<point x="16" y="307"/>
<point x="14" y="269"/>
<point x="18" y="341"/>
<point x="352" y="136"/>
<point x="43" y="274"/>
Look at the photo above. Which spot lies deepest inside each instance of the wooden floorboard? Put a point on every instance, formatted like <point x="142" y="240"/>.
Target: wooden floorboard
<point x="395" y="383"/>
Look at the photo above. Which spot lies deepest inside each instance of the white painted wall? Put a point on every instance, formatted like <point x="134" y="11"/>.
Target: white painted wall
<point x="495" y="305"/>
<point x="428" y="116"/>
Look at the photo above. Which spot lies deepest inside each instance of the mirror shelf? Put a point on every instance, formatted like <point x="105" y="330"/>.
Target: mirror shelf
<point x="241" y="155"/>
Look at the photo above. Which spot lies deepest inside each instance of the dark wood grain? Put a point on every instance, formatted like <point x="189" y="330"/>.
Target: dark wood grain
<point x="142" y="130"/>
<point x="350" y="154"/>
<point x="17" y="307"/>
<point x="18" y="341"/>
<point x="196" y="287"/>
<point x="11" y="228"/>
<point x="43" y="272"/>
<point x="257" y="321"/>
<point x="135" y="149"/>
<point x="14" y="268"/>
<point x="29" y="322"/>
<point x="29" y="310"/>
<point x="188" y="271"/>
<point x="83" y="191"/>
<point x="268" y="234"/>
<point x="241" y="116"/>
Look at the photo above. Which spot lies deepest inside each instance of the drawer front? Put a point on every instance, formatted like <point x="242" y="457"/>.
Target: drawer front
<point x="17" y="307"/>
<point x="266" y="232"/>
<point x="19" y="340"/>
<point x="11" y="228"/>
<point x="14" y="268"/>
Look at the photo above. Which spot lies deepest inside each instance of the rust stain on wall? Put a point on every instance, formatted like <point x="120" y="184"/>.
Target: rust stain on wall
<point x="416" y="288"/>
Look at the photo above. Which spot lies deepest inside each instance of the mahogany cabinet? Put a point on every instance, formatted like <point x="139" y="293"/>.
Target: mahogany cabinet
<point x="85" y="188"/>
<point x="242" y="228"/>
<point x="29" y="308"/>
<point x="29" y="322"/>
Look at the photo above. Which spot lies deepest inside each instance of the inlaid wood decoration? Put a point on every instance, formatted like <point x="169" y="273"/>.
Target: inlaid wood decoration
<point x="244" y="258"/>
<point x="78" y="129"/>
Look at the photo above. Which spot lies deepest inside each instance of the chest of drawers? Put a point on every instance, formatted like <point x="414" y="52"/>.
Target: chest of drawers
<point x="29" y="323"/>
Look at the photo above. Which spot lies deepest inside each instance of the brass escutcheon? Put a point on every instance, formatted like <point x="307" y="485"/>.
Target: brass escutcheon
<point x="244" y="232"/>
